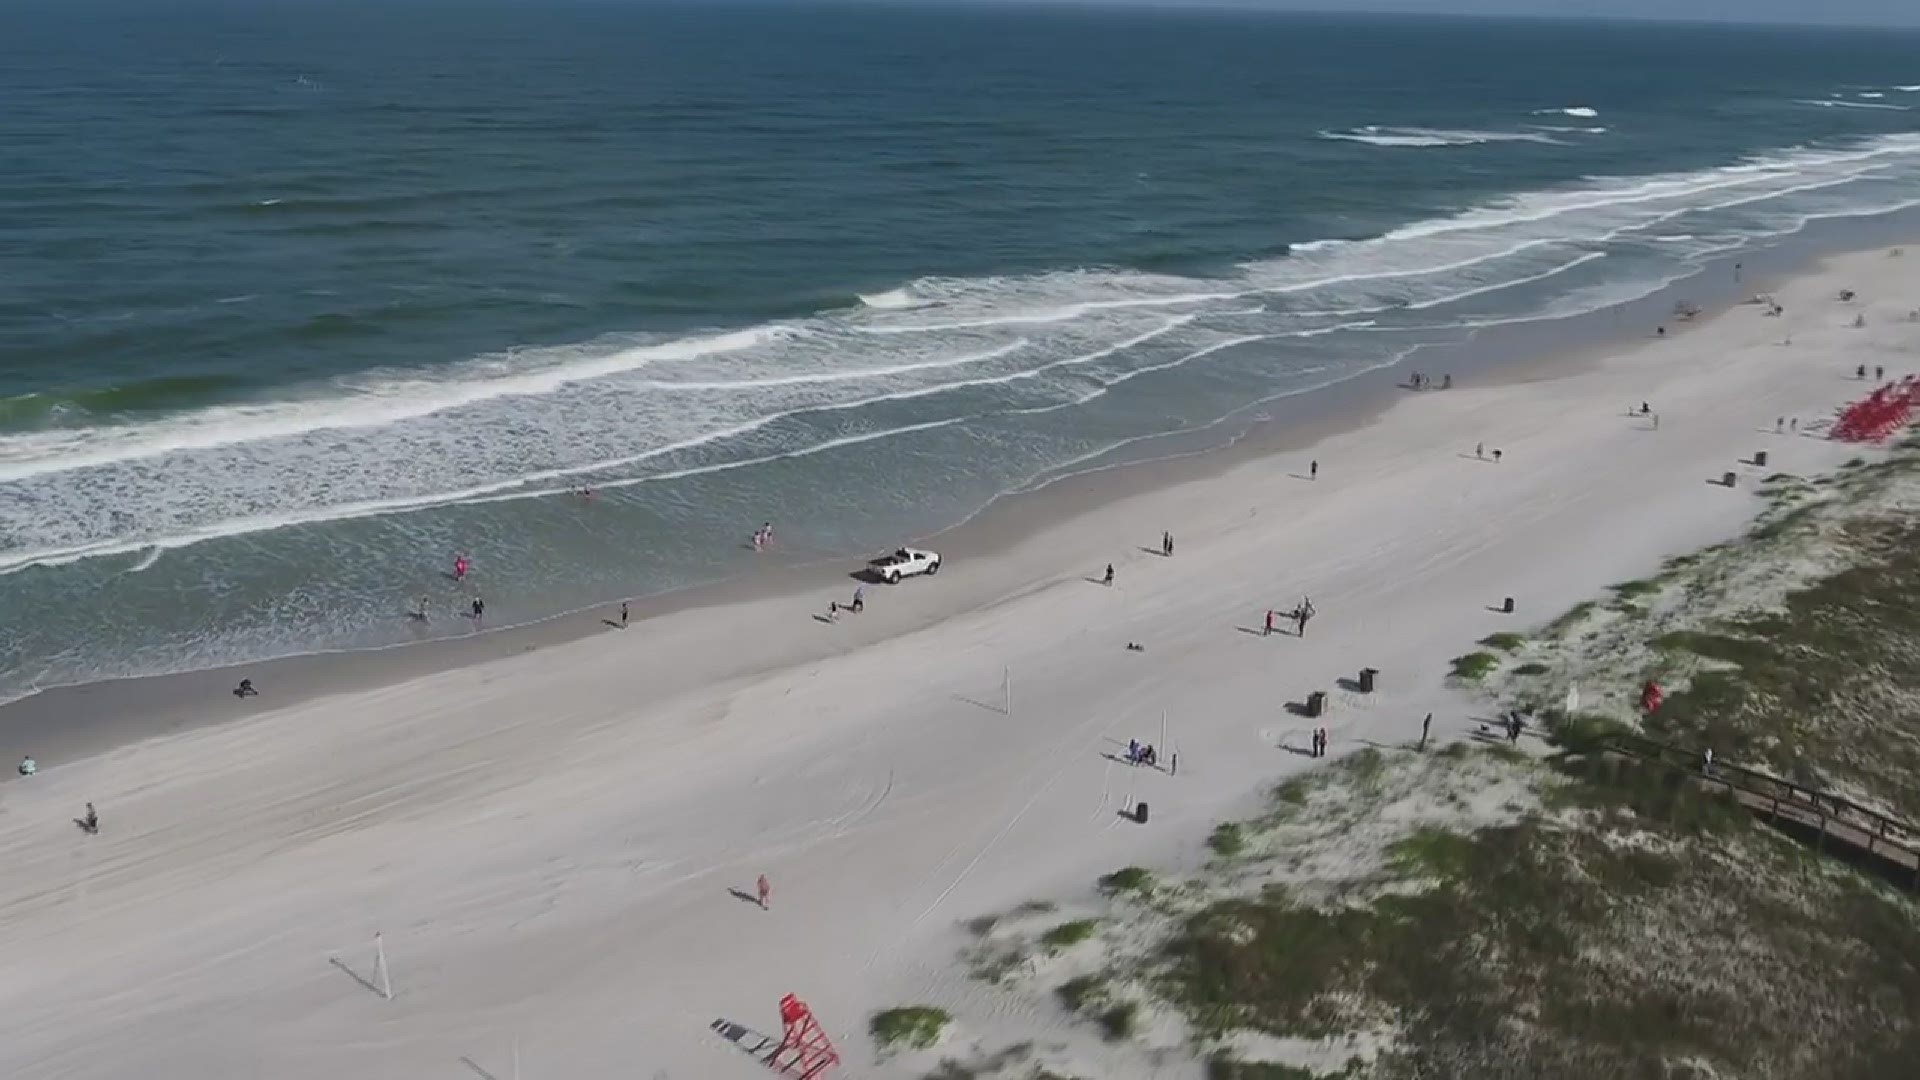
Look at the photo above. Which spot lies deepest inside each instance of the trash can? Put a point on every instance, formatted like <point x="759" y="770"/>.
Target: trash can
<point x="1140" y="813"/>
<point x="1760" y="458"/>
<point x="1366" y="679"/>
<point x="1728" y="479"/>
<point x="1507" y="605"/>
<point x="1316" y="703"/>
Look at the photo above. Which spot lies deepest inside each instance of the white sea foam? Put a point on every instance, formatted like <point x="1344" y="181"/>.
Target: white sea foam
<point x="1581" y="111"/>
<point x="1834" y="103"/>
<point x="1374" y="135"/>
<point x="891" y="300"/>
<point x="530" y="423"/>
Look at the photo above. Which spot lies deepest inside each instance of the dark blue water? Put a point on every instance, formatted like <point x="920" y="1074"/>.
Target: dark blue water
<point x="297" y="300"/>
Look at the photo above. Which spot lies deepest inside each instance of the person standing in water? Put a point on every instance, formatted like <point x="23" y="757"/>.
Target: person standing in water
<point x="460" y="566"/>
<point x="623" y="614"/>
<point x="479" y="609"/>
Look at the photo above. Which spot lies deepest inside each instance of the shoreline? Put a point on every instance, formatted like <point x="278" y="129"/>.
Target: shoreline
<point x="549" y="841"/>
<point x="69" y="723"/>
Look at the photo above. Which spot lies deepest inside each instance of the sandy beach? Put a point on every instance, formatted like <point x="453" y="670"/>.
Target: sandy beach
<point x="554" y="839"/>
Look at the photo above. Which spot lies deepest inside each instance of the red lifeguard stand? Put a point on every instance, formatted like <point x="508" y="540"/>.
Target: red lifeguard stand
<point x="805" y="1050"/>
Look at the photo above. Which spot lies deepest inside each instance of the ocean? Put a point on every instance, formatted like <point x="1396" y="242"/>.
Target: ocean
<point x="297" y="300"/>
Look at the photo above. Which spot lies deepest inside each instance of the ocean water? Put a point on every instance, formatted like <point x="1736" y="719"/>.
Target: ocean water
<point x="297" y="300"/>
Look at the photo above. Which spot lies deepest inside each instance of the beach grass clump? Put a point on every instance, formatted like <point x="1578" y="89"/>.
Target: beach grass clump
<point x="1504" y="641"/>
<point x="1117" y="1021"/>
<point x="1224" y="1066"/>
<point x="1082" y="992"/>
<point x="1531" y="667"/>
<point x="909" y="1027"/>
<point x="1129" y="879"/>
<point x="1430" y="852"/>
<point x="1628" y="590"/>
<point x="1474" y="666"/>
<point x="1531" y="920"/>
<point x="1035" y="907"/>
<point x="1228" y="840"/>
<point x="1571" y="618"/>
<point x="1068" y="934"/>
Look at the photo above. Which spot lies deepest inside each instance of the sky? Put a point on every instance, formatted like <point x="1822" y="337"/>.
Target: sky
<point x="1900" y="13"/>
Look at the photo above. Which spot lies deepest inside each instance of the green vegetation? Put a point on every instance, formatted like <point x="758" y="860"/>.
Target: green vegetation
<point x="1084" y="992"/>
<point x="1572" y="616"/>
<point x="1036" y="907"/>
<point x="1128" y="879"/>
<point x="1532" y="667"/>
<point x="1431" y="852"/>
<point x="1629" y="590"/>
<point x="1474" y="666"/>
<point x="1503" y="641"/>
<point x="1223" y="1067"/>
<point x="1069" y="934"/>
<point x="1228" y="840"/>
<point x="915" y="1027"/>
<point x="1117" y="1021"/>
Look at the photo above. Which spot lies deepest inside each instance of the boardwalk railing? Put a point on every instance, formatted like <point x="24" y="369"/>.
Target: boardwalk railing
<point x="1830" y="818"/>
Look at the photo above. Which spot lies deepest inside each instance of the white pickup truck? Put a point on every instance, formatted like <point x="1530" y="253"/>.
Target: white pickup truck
<point x="905" y="562"/>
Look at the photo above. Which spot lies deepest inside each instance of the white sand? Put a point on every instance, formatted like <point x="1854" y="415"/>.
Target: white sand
<point x="548" y="841"/>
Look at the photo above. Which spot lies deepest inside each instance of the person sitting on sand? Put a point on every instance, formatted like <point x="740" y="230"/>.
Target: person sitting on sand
<point x="28" y="766"/>
<point x="245" y="689"/>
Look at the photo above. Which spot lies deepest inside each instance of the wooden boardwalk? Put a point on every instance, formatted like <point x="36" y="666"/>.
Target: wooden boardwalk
<point x="1832" y="823"/>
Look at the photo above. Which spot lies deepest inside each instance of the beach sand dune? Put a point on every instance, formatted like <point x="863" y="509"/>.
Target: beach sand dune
<point x="555" y="845"/>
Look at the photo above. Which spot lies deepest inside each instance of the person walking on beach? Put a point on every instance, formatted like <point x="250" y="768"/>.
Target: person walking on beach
<point x="859" y="599"/>
<point x="1166" y="544"/>
<point x="1108" y="580"/>
<point x="89" y="824"/>
<point x="1496" y="457"/>
<point x="1879" y="374"/>
<point x="1425" y="726"/>
<point x="1480" y="450"/>
<point x="1313" y="470"/>
<point x="623" y="614"/>
<point x="765" y="891"/>
<point x="1268" y="628"/>
<point x="479" y="609"/>
<point x="1779" y="424"/>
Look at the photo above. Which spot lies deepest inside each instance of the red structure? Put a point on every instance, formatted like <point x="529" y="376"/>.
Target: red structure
<point x="1880" y="414"/>
<point x="805" y="1051"/>
<point x="1651" y="697"/>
